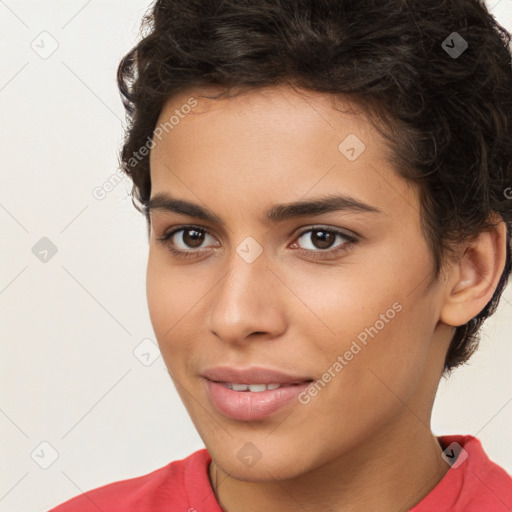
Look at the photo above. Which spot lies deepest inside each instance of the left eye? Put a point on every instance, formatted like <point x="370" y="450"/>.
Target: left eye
<point x="323" y="239"/>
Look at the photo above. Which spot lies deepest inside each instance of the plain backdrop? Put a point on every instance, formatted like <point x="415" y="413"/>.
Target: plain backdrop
<point x="80" y="405"/>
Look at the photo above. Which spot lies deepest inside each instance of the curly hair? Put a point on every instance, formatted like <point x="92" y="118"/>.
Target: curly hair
<point x="447" y="117"/>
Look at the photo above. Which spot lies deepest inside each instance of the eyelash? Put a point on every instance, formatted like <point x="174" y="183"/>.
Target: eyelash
<point x="319" y="254"/>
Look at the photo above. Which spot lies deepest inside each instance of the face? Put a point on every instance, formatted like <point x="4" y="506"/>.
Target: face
<point x="335" y="299"/>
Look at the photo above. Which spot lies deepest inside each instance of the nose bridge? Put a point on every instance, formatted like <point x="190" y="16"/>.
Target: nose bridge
<point x="245" y="280"/>
<point x="241" y="302"/>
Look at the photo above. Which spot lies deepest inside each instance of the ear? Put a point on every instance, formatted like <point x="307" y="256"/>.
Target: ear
<point x="473" y="278"/>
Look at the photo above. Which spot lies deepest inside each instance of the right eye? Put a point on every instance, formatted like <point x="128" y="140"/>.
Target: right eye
<point x="186" y="244"/>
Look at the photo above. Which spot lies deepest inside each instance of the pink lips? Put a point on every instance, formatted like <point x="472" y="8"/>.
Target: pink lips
<point x="247" y="405"/>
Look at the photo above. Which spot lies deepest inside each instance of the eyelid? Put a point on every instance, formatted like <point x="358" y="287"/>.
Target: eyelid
<point x="339" y="231"/>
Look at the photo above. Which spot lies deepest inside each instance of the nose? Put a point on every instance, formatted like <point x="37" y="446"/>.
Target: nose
<point x="248" y="301"/>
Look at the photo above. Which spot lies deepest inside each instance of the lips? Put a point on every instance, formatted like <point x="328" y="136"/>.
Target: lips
<point x="252" y="394"/>
<point x="253" y="375"/>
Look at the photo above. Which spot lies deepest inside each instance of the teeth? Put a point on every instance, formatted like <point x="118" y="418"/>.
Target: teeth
<point x="254" y="388"/>
<point x="240" y="387"/>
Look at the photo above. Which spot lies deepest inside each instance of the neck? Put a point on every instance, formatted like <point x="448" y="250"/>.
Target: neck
<point x="378" y="474"/>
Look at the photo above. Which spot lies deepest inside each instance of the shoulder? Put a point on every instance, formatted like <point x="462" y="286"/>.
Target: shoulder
<point x="165" y="487"/>
<point x="489" y="482"/>
<point x="474" y="483"/>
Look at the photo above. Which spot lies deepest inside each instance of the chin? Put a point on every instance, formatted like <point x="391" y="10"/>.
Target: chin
<point x="249" y="464"/>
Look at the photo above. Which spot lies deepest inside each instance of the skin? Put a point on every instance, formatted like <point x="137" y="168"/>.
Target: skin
<point x="351" y="447"/>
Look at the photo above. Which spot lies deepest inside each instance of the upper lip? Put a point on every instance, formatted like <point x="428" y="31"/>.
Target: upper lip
<point x="252" y="375"/>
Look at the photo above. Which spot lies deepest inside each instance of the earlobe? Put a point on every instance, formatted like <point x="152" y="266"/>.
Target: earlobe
<point x="473" y="279"/>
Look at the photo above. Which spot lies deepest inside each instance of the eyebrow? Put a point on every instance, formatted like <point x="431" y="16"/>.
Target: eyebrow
<point x="276" y="213"/>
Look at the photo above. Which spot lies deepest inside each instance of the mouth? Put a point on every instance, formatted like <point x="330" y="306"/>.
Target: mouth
<point x="254" y="375"/>
<point x="252" y="394"/>
<point x="257" y="388"/>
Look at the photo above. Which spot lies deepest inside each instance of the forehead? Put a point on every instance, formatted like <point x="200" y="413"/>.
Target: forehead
<point x="273" y="142"/>
<point x="270" y="105"/>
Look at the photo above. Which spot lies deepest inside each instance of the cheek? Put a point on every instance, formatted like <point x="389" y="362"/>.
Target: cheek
<point x="375" y="378"/>
<point x="168" y="295"/>
<point x="158" y="293"/>
<point x="174" y="297"/>
<point x="379" y="322"/>
<point x="382" y="361"/>
<point x="335" y="305"/>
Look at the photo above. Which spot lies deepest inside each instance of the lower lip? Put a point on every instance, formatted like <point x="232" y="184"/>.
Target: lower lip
<point x="248" y="405"/>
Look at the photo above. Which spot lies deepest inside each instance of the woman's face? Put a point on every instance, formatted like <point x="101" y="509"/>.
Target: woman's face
<point x="335" y="297"/>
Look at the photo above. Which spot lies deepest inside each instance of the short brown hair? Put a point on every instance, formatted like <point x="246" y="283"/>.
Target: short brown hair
<point x="448" y="117"/>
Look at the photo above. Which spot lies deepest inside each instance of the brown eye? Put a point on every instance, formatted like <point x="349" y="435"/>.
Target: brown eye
<point x="320" y="243"/>
<point x="187" y="239"/>
<point x="322" y="239"/>
<point x="187" y="242"/>
<point x="192" y="238"/>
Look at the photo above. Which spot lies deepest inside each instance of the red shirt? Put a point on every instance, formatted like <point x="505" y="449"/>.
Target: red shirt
<point x="476" y="485"/>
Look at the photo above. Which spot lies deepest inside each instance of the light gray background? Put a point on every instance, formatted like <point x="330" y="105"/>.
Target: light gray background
<point x="69" y="327"/>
